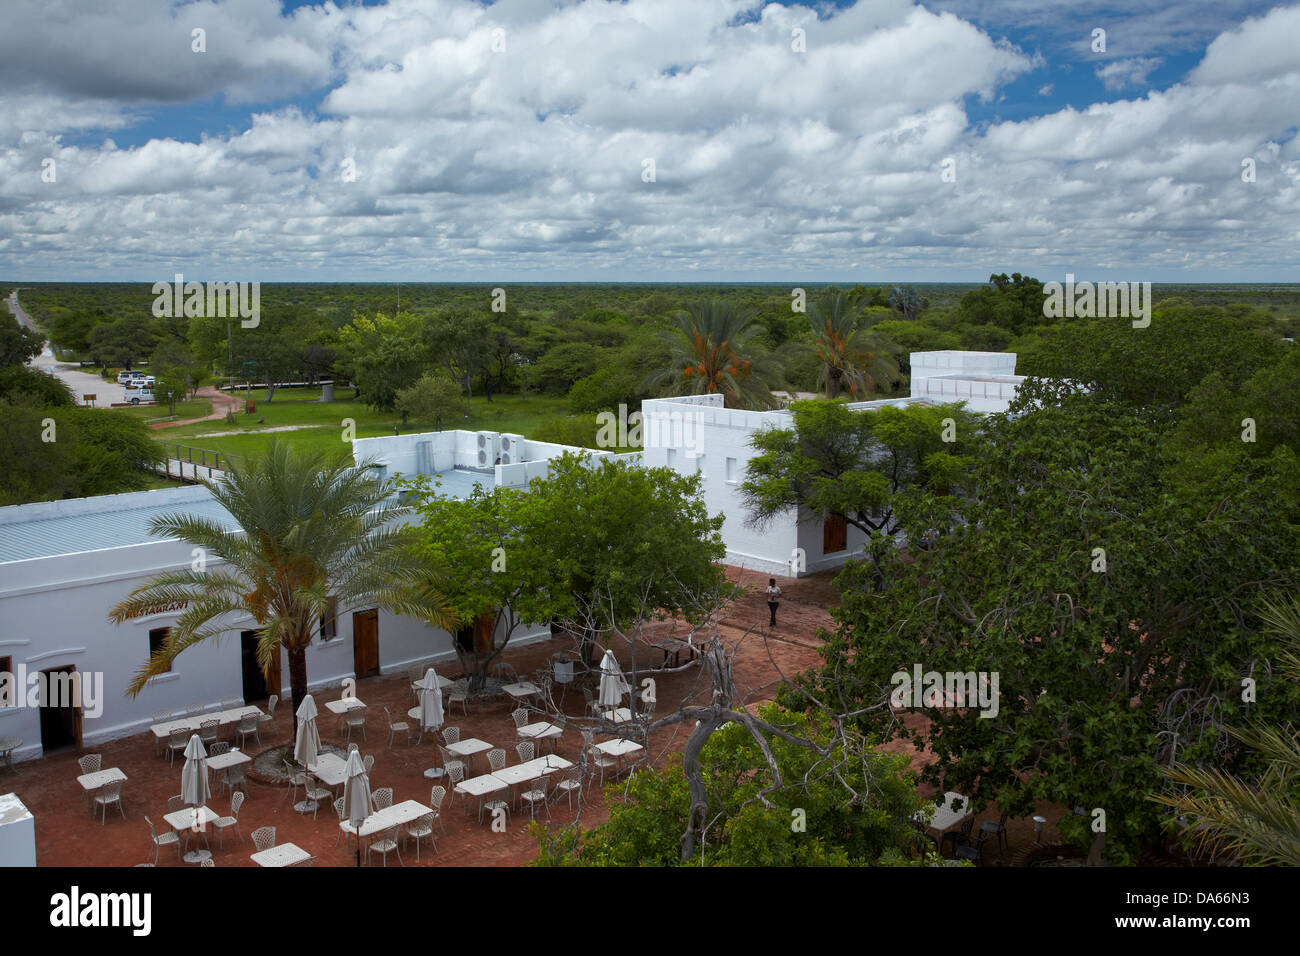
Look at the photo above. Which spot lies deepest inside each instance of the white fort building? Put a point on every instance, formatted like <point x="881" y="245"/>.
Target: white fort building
<point x="63" y="564"/>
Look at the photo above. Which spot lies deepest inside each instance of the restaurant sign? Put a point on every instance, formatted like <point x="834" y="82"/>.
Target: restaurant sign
<point x="163" y="609"/>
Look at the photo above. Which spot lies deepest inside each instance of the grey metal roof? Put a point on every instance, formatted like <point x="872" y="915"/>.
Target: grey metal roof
<point x="117" y="527"/>
<point x="96" y="530"/>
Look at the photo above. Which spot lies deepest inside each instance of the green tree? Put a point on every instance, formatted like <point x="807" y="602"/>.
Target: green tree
<point x="906" y="300"/>
<point x="851" y="356"/>
<point x="711" y="351"/>
<point x="808" y="816"/>
<point x="460" y="338"/>
<point x="313" y="527"/>
<point x="1257" y="821"/>
<point x="123" y="342"/>
<point x="433" y="398"/>
<point x="383" y="354"/>
<point x="859" y="464"/>
<point x="1096" y="585"/>
<point x="18" y="344"/>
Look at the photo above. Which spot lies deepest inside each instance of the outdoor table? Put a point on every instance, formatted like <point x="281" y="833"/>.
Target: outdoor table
<point x="944" y="817"/>
<point x="542" y="730"/>
<point x="343" y="705"/>
<point x="329" y="769"/>
<point x="7" y="747"/>
<point x="480" y="787"/>
<point x="522" y="689"/>
<point x="93" y="781"/>
<point x="408" y="811"/>
<point x="416" y="714"/>
<point x="619" y="715"/>
<point x="163" y="731"/>
<point x="186" y="820"/>
<point x="442" y="682"/>
<point x="286" y="854"/>
<point x="618" y="747"/>
<point x="230" y="758"/>
<point x="530" y="770"/>
<point x="468" y="748"/>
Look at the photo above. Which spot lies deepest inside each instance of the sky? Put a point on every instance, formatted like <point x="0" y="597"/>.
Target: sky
<point x="649" y="140"/>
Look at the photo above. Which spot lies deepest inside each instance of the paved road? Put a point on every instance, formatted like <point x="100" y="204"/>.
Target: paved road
<point x="81" y="383"/>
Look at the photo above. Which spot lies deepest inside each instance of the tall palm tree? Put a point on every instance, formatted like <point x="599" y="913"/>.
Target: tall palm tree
<point x="314" y="527"/>
<point x="850" y="355"/>
<point x="1258" y="821"/>
<point x="711" y="350"/>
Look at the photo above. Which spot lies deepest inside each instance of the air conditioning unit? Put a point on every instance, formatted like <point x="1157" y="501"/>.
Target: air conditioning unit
<point x="512" y="449"/>
<point x="486" y="442"/>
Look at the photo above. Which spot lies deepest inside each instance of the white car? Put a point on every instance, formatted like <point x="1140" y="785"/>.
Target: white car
<point x="125" y="378"/>
<point x="137" y="393"/>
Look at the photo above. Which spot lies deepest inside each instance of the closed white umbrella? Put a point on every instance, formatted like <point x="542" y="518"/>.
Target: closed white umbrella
<point x="431" y="702"/>
<point x="612" y="684"/>
<point x="307" y="745"/>
<point x="195" y="790"/>
<point x="194" y="775"/>
<point x="356" y="795"/>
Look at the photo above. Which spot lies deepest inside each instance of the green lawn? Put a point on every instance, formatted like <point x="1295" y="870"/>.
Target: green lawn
<point x="195" y="408"/>
<point x="324" y="422"/>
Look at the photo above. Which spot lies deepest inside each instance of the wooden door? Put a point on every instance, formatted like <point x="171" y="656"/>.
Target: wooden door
<point x="365" y="643"/>
<point x="835" y="534"/>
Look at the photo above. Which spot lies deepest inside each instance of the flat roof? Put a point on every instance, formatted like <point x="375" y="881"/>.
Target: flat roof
<point x="125" y="520"/>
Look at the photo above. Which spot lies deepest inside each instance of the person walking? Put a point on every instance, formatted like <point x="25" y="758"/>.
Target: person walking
<point x="773" y="600"/>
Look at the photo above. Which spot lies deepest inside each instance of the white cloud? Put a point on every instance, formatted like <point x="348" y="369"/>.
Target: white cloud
<point x="770" y="163"/>
<point x="1133" y="71"/>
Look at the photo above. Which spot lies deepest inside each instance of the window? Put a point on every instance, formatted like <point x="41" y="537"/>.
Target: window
<point x="835" y="534"/>
<point x="731" y="470"/>
<point x="157" y="638"/>
<point x="329" y="621"/>
<point x="672" y="458"/>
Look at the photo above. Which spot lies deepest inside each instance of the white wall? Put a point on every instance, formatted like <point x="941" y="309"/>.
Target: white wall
<point x="17" y="832"/>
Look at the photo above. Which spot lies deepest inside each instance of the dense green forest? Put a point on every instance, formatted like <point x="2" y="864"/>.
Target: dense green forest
<point x="563" y="353"/>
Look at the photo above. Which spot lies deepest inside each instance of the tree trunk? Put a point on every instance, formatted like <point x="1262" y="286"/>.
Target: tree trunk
<point x="297" y="681"/>
<point x="695" y="780"/>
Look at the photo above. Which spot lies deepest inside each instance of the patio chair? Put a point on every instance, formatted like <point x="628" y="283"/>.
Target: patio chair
<point x="343" y="821"/>
<point x="161" y="716"/>
<point x="526" y="750"/>
<point x="382" y="798"/>
<point x="497" y="758"/>
<point x="570" y="783"/>
<point x="297" y="780"/>
<point x="224" y="823"/>
<point x="958" y="837"/>
<point x="209" y="731"/>
<point x="386" y="844"/>
<point x="988" y="828"/>
<point x="421" y="828"/>
<point x="232" y="703"/>
<point x="455" y="775"/>
<point x="194" y="710"/>
<point x="535" y="796"/>
<point x="264" y="838"/>
<point x="436" y="796"/>
<point x="208" y="862"/>
<point x="175" y="803"/>
<point x="317" y="793"/>
<point x="597" y="759"/>
<point x="355" y="719"/>
<point x="267" y="720"/>
<point x="368" y="762"/>
<point x="972" y="851"/>
<point x="249" y="726"/>
<point x="177" y="741"/>
<point x="413" y="676"/>
<point x="110" y="794"/>
<point x="394" y="728"/>
<point x="454" y="695"/>
<point x="91" y="763"/>
<point x="520" y="717"/>
<point x="167" y="839"/>
<point x="219" y="748"/>
<point x="505" y="673"/>
<point x="492" y="806"/>
<point x="592" y="706"/>
<point x="236" y="776"/>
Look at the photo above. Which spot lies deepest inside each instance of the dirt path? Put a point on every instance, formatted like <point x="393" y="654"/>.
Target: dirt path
<point x="220" y="403"/>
